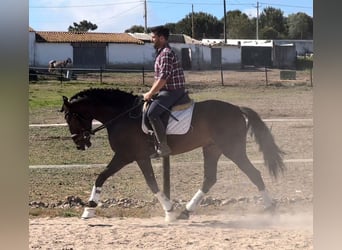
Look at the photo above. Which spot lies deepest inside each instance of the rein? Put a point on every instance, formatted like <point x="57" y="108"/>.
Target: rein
<point x="93" y="131"/>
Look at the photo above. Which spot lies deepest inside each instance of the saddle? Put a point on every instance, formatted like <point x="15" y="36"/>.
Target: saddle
<point x="177" y="121"/>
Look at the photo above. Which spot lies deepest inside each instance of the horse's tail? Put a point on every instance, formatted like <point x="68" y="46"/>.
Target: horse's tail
<point x="271" y="152"/>
<point x="51" y="62"/>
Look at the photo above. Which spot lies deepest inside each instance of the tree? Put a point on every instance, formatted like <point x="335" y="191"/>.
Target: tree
<point x="300" y="26"/>
<point x="269" y="33"/>
<point x="239" y="26"/>
<point x="135" y="29"/>
<point x="205" y="26"/>
<point x="273" y="18"/>
<point x="83" y="26"/>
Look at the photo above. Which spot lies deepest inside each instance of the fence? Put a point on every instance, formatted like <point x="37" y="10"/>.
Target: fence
<point x="247" y="76"/>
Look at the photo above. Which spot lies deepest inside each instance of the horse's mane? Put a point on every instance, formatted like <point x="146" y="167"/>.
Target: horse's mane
<point x="106" y="96"/>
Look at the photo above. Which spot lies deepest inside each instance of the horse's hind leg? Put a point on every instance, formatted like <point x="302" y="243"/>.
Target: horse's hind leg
<point x="241" y="160"/>
<point x="211" y="155"/>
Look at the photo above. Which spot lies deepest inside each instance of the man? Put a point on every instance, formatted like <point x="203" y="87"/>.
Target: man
<point x="168" y="87"/>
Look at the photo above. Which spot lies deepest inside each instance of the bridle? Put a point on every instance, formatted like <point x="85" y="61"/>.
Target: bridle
<point x="86" y="134"/>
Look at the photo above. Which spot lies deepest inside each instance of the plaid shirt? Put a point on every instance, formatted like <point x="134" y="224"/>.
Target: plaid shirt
<point x="168" y="67"/>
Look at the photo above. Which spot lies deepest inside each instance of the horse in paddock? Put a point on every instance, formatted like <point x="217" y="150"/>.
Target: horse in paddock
<point x="53" y="64"/>
<point x="216" y="126"/>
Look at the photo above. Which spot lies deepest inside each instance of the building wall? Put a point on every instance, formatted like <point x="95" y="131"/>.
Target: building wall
<point x="130" y="55"/>
<point x="135" y="56"/>
<point x="231" y="57"/>
<point x="44" y="52"/>
<point x="32" y="40"/>
<point x="302" y="46"/>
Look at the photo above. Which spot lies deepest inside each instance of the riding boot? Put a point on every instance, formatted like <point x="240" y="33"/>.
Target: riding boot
<point x="160" y="135"/>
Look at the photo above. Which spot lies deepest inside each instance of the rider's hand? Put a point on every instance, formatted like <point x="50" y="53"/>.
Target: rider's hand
<point x="147" y="96"/>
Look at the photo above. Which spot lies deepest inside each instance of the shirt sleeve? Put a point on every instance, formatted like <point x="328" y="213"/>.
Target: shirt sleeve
<point x="165" y="65"/>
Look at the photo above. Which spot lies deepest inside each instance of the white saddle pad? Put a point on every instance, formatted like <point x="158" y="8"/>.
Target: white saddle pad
<point x="175" y="127"/>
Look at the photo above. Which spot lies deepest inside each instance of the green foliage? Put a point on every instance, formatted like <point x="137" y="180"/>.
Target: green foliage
<point x="239" y="26"/>
<point x="135" y="29"/>
<point x="205" y="26"/>
<point x="83" y="26"/>
<point x="269" y="33"/>
<point x="300" y="26"/>
<point x="272" y="25"/>
<point x="303" y="63"/>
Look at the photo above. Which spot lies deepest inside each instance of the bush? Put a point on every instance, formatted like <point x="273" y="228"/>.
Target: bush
<point x="303" y="63"/>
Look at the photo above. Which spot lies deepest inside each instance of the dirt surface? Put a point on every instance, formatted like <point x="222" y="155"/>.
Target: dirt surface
<point x="286" y="231"/>
<point x="231" y="215"/>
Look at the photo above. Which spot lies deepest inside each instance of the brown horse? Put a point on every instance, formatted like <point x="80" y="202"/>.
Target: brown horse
<point x="218" y="127"/>
<point x="53" y="64"/>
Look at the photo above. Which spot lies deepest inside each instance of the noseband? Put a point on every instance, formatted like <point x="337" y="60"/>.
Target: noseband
<point x="85" y="134"/>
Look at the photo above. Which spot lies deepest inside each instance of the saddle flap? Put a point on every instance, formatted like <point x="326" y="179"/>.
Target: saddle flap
<point x="177" y="123"/>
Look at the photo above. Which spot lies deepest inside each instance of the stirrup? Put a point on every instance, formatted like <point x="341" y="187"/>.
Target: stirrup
<point x="161" y="153"/>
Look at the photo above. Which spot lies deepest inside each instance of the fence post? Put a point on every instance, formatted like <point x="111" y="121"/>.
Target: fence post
<point x="61" y="75"/>
<point x="311" y="77"/>
<point x="101" y="75"/>
<point x="266" y="75"/>
<point x="143" y="75"/>
<point x="221" y="75"/>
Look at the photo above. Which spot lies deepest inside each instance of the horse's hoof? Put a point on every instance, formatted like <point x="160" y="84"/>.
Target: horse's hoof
<point x="271" y="209"/>
<point x="184" y="215"/>
<point x="88" y="213"/>
<point x="170" y="216"/>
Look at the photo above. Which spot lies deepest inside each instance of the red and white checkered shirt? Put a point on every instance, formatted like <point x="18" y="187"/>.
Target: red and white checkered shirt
<point x="167" y="67"/>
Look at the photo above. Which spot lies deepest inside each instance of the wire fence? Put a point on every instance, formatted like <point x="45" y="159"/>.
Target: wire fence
<point x="247" y="76"/>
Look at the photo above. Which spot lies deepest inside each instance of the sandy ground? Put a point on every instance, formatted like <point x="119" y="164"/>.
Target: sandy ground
<point x="224" y="231"/>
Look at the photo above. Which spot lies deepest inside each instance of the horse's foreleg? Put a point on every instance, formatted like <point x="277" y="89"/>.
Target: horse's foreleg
<point x="114" y="166"/>
<point x="211" y="155"/>
<point x="147" y="170"/>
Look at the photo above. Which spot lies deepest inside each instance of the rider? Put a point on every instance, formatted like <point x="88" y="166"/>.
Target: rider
<point x="168" y="86"/>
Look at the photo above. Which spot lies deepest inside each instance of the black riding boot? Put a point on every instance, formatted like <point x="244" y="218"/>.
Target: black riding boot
<point x="160" y="134"/>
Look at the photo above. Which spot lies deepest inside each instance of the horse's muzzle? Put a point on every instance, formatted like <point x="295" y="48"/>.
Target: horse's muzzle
<point x="82" y="140"/>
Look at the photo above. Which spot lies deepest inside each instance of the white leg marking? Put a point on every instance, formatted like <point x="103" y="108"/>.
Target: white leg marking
<point x="167" y="206"/>
<point x="267" y="199"/>
<point x="166" y="203"/>
<point x="95" y="194"/>
<point x="195" y="201"/>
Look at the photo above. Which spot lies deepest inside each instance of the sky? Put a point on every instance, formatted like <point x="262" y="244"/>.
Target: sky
<point x="118" y="15"/>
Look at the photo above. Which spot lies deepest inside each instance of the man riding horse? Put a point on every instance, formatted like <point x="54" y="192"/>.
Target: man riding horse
<point x="168" y="87"/>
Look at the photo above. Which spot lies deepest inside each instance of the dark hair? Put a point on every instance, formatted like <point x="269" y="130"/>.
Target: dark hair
<point x="161" y="31"/>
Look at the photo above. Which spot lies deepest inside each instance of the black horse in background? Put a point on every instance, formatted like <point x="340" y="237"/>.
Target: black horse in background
<point x="218" y="127"/>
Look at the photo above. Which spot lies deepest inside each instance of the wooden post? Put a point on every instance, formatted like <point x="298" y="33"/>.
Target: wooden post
<point x="311" y="77"/>
<point x="101" y="75"/>
<point x="266" y="76"/>
<point x="221" y="75"/>
<point x="61" y="76"/>
<point x="143" y="75"/>
<point x="166" y="176"/>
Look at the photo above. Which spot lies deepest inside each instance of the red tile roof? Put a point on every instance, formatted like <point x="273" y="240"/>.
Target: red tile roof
<point x="69" y="37"/>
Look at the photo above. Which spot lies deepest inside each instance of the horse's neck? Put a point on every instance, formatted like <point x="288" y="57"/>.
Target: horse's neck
<point x="106" y="114"/>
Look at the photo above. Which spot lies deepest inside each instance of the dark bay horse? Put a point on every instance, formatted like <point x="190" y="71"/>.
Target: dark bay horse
<point x="218" y="127"/>
<point x="53" y="64"/>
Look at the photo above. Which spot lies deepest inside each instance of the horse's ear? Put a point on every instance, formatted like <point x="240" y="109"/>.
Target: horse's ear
<point x="65" y="103"/>
<point x="65" y="99"/>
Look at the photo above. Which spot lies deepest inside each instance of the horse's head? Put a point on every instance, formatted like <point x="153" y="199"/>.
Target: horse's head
<point x="80" y="124"/>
